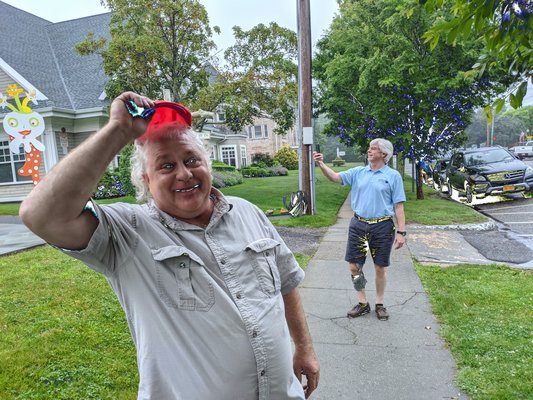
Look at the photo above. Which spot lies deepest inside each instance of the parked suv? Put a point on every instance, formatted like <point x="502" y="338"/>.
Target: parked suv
<point x="487" y="171"/>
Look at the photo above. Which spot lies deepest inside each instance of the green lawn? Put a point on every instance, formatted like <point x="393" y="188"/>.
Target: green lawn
<point x="64" y="336"/>
<point x="486" y="317"/>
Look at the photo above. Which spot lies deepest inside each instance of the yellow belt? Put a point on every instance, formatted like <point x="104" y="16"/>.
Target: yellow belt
<point x="372" y="220"/>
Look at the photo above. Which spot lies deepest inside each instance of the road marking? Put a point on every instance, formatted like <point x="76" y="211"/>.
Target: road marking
<point x="513" y="213"/>
<point x="509" y="207"/>
<point x="525" y="222"/>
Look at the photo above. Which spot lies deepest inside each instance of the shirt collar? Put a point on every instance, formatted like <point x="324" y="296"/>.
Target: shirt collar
<point x="382" y="169"/>
<point x="221" y="207"/>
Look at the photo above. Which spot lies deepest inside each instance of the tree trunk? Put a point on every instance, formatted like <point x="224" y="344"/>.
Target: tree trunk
<point x="400" y="164"/>
<point x="419" y="183"/>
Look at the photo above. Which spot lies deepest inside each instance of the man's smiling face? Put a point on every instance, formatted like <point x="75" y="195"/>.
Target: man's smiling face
<point x="178" y="177"/>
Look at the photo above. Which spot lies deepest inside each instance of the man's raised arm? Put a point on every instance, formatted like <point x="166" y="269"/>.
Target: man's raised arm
<point x="54" y="209"/>
<point x="327" y="171"/>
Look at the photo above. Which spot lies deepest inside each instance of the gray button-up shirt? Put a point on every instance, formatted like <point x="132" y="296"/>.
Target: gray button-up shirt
<point x="204" y="306"/>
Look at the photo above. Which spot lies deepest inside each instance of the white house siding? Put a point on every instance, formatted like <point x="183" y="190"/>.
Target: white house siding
<point x="14" y="192"/>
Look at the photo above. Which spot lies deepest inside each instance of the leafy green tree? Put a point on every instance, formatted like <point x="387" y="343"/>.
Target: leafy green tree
<point x="287" y="157"/>
<point x="155" y="45"/>
<point x="258" y="78"/>
<point x="505" y="28"/>
<point x="505" y="131"/>
<point x="525" y="115"/>
<point x="377" y="78"/>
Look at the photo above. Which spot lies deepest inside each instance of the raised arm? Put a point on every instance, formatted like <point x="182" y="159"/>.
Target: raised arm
<point x="305" y="361"/>
<point x="327" y="171"/>
<point x="54" y="209"/>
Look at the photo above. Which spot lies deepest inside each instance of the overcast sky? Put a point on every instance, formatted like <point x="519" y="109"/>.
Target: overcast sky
<point x="224" y="13"/>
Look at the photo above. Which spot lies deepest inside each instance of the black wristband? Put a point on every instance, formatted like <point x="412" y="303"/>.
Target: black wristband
<point x="403" y="233"/>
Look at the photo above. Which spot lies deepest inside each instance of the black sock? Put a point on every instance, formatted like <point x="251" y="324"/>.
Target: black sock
<point x="379" y="305"/>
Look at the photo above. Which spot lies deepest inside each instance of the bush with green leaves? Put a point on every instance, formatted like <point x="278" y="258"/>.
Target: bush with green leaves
<point x="224" y="178"/>
<point x="124" y="169"/>
<point x="263" y="159"/>
<point x="221" y="166"/>
<point x="255" y="171"/>
<point x="278" y="170"/>
<point x="287" y="156"/>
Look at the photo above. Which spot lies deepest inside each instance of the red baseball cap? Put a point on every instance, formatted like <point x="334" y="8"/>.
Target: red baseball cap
<point x="167" y="114"/>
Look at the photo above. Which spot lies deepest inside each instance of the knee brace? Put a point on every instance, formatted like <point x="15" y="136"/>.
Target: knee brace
<point x="359" y="281"/>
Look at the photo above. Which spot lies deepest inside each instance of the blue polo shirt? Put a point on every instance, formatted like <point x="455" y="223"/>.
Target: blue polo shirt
<point x="374" y="193"/>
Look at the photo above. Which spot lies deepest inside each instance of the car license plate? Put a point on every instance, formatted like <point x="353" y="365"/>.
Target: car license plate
<point x="507" y="188"/>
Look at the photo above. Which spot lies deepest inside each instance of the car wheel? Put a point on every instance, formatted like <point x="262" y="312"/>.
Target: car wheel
<point x="468" y="192"/>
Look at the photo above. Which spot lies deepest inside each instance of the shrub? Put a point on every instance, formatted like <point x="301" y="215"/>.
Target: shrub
<point x="263" y="159"/>
<point x="109" y="186"/>
<point x="255" y="172"/>
<point x="124" y="169"/>
<point x="287" y="157"/>
<point x="221" y="166"/>
<point x="338" y="162"/>
<point x="223" y="178"/>
<point x="278" y="170"/>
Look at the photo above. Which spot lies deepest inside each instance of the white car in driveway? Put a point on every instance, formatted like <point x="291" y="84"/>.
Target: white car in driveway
<point x="523" y="150"/>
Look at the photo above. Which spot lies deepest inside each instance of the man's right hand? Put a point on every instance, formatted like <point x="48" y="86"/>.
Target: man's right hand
<point x="121" y="119"/>
<point x="318" y="157"/>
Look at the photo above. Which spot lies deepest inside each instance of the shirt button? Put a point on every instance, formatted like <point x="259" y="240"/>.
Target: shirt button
<point x="239" y="296"/>
<point x="263" y="373"/>
<point x="182" y="264"/>
<point x="267" y="253"/>
<point x="223" y="261"/>
<point x="254" y="334"/>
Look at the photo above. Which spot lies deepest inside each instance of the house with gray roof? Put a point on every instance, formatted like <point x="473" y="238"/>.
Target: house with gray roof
<point x="38" y="56"/>
<point x="68" y="91"/>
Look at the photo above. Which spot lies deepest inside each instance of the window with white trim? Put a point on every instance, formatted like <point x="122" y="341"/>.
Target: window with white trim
<point x="244" y="156"/>
<point x="9" y="163"/>
<point x="257" y="131"/>
<point x="228" y="155"/>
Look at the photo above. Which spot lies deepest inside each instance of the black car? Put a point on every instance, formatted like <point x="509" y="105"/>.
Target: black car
<point x="487" y="171"/>
<point x="439" y="174"/>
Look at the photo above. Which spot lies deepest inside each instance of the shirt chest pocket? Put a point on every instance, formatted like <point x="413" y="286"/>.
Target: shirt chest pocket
<point x="182" y="281"/>
<point x="382" y="184"/>
<point x="262" y="255"/>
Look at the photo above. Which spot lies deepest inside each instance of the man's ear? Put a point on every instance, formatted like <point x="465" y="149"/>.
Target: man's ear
<point x="146" y="179"/>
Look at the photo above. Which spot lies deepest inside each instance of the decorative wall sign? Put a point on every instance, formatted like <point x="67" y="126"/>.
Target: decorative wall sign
<point x="23" y="125"/>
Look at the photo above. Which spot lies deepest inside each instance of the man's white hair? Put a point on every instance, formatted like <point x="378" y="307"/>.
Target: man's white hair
<point x="385" y="147"/>
<point x="138" y="162"/>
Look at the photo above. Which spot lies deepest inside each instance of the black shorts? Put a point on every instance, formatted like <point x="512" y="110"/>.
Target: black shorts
<point x="379" y="236"/>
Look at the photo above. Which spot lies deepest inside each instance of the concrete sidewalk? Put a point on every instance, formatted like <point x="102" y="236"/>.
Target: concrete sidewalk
<point x="14" y="236"/>
<point x="364" y="358"/>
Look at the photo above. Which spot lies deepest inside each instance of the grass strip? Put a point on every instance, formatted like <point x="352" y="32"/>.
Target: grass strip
<point x="486" y="317"/>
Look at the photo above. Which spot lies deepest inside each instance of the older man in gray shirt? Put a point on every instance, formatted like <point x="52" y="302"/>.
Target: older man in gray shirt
<point x="207" y="284"/>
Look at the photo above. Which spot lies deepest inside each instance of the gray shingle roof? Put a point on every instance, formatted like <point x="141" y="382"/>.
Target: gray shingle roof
<point x="43" y="53"/>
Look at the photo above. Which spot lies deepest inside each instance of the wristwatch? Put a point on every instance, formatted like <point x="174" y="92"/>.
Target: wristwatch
<point x="403" y="233"/>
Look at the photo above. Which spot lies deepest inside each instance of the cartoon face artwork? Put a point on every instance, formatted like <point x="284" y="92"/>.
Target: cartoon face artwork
<point x="23" y="126"/>
<point x="24" y="129"/>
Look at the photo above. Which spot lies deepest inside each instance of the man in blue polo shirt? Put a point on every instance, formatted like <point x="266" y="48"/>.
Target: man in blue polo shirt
<point x="377" y="196"/>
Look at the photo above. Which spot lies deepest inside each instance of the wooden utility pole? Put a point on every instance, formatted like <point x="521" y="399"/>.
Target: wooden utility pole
<point x="305" y="125"/>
